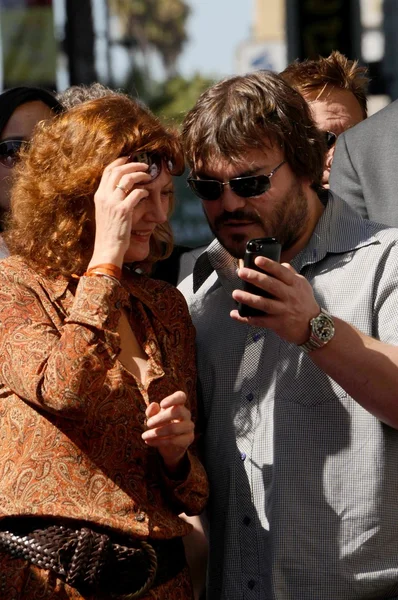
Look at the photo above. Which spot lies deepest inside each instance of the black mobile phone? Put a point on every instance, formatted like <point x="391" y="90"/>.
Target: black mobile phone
<point x="268" y="247"/>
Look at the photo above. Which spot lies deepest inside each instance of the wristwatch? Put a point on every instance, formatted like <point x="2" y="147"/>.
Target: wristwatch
<point x="322" y="331"/>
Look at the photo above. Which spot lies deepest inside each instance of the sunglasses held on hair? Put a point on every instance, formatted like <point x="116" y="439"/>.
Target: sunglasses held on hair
<point x="9" y="151"/>
<point x="245" y="187"/>
<point x="154" y="161"/>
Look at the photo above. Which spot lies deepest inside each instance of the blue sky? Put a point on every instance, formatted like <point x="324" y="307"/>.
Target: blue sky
<point x="215" y="28"/>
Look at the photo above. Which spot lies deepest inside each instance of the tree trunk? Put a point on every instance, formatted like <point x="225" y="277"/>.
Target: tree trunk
<point x="79" y="42"/>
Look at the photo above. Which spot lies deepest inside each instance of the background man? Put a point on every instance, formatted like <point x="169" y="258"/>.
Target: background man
<point x="335" y="88"/>
<point x="300" y="405"/>
<point x="365" y="169"/>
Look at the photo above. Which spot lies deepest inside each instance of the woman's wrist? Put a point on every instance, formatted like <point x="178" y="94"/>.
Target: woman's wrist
<point x="177" y="469"/>
<point x="105" y="269"/>
<point x="106" y="256"/>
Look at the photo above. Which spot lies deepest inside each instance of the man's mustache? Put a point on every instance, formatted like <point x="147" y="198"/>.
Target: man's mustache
<point x="237" y="215"/>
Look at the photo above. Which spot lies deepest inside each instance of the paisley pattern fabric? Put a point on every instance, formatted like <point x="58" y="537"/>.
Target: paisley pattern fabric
<point x="72" y="416"/>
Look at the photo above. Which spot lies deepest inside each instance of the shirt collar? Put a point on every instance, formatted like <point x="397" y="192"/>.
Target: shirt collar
<point x="339" y="229"/>
<point x="214" y="258"/>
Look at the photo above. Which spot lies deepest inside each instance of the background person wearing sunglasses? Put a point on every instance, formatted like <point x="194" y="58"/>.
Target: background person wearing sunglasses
<point x="335" y="88"/>
<point x="300" y="405"/>
<point x="21" y="108"/>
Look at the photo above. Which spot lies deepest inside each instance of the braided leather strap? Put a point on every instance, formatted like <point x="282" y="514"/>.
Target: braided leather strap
<point x="88" y="559"/>
<point x="151" y="575"/>
<point x="82" y="557"/>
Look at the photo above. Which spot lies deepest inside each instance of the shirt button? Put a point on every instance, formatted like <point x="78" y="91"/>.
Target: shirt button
<point x="243" y="456"/>
<point x="247" y="521"/>
<point x="256" y="337"/>
<point x="250" y="584"/>
<point x="250" y="397"/>
<point x="140" y="517"/>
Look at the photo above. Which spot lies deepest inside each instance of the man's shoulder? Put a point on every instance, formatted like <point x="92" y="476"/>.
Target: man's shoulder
<point x="353" y="225"/>
<point x="387" y="117"/>
<point x="383" y="233"/>
<point x="366" y="232"/>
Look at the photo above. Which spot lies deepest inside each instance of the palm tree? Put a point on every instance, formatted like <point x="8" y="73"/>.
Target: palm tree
<point x="79" y="42"/>
<point x="149" y="25"/>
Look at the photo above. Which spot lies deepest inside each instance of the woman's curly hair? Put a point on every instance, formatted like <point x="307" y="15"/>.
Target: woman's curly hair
<point x="52" y="223"/>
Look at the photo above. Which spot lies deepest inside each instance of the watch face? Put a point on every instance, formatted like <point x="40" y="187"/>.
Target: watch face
<point x="323" y="328"/>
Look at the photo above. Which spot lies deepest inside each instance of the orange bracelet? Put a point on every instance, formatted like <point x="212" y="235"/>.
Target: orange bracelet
<point x="105" y="269"/>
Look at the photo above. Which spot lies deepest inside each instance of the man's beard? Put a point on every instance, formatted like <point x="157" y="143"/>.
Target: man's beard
<point x="287" y="223"/>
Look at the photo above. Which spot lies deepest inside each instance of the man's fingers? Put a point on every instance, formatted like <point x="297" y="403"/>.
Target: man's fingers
<point x="282" y="271"/>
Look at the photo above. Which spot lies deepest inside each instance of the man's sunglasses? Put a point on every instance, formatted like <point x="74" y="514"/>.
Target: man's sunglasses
<point x="154" y="161"/>
<point x="330" y="138"/>
<point x="245" y="187"/>
<point x="9" y="151"/>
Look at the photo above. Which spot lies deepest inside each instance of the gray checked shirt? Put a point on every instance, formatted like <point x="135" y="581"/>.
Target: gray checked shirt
<point x="304" y="481"/>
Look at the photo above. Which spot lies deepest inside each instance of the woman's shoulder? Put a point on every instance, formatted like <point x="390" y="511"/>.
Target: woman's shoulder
<point x="14" y="268"/>
<point x="15" y="272"/>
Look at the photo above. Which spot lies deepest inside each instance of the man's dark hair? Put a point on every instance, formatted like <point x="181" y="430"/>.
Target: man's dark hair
<point x="249" y="112"/>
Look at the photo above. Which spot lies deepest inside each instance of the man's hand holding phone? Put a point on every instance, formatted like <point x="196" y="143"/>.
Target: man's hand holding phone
<point x="283" y="299"/>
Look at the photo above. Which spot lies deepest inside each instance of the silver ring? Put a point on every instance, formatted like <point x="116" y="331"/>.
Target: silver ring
<point x="123" y="189"/>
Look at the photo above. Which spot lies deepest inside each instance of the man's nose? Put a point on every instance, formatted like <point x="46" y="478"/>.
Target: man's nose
<point x="231" y="201"/>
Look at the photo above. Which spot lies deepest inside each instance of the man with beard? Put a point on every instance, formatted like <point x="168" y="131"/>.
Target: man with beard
<point x="300" y="404"/>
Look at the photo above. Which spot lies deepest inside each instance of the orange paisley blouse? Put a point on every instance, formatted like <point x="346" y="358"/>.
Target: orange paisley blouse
<point x="72" y="416"/>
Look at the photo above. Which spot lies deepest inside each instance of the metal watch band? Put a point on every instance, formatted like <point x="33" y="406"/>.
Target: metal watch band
<point x="314" y="342"/>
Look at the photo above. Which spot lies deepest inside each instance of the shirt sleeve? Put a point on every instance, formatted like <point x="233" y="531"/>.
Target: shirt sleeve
<point x="61" y="369"/>
<point x="344" y="180"/>
<point x="385" y="323"/>
<point x="189" y="495"/>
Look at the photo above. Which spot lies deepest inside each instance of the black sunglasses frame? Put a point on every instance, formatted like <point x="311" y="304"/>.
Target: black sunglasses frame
<point x="244" y="187"/>
<point x="9" y="156"/>
<point x="330" y="138"/>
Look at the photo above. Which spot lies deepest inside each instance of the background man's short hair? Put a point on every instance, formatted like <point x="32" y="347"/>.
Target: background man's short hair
<point x="335" y="70"/>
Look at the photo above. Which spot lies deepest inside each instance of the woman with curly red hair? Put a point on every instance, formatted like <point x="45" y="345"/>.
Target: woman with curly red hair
<point x="97" y="376"/>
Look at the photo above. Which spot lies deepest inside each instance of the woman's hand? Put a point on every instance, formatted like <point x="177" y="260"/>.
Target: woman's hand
<point x="118" y="193"/>
<point x="170" y="429"/>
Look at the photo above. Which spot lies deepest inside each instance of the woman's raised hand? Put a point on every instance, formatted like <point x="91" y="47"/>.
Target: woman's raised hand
<point x="118" y="193"/>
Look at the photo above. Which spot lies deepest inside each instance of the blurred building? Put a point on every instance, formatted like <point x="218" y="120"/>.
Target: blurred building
<point x="266" y="49"/>
<point x="285" y="30"/>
